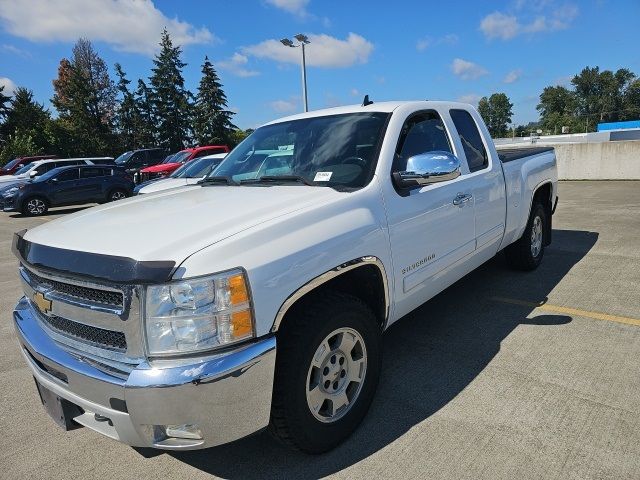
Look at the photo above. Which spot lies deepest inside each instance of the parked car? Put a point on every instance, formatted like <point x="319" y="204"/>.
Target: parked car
<point x="17" y="163"/>
<point x="312" y="253"/>
<point x="39" y="167"/>
<point x="75" y="185"/>
<point x="178" y="159"/>
<point x="135" y="160"/>
<point x="188" y="174"/>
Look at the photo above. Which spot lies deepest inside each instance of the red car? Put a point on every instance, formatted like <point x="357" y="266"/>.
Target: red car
<point x="173" y="162"/>
<point x="18" y="163"/>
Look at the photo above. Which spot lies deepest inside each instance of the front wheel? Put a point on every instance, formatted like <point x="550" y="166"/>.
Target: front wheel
<point x="527" y="252"/>
<point x="35" y="206"/>
<point x="327" y="370"/>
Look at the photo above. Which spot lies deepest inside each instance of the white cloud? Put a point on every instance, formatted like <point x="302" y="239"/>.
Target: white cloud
<point x="9" y="86"/>
<point x="423" y="43"/>
<point x="15" y="50"/>
<point x="513" y="76"/>
<point x="472" y="98"/>
<point x="323" y="51"/>
<point x="548" y="18"/>
<point x="355" y="92"/>
<point x="296" y="7"/>
<point x="127" y="25"/>
<point x="237" y="66"/>
<point x="284" y="106"/>
<point x="467" y="70"/>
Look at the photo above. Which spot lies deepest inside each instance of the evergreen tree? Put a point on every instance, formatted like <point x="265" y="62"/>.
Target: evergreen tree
<point x="26" y="118"/>
<point x="85" y="97"/>
<point x="212" y="119"/>
<point x="170" y="99"/>
<point x="144" y="126"/>
<point x="5" y="102"/>
<point x="125" y="120"/>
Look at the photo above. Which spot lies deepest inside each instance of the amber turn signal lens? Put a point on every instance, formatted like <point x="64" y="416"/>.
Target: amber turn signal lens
<point x="241" y="325"/>
<point x="238" y="290"/>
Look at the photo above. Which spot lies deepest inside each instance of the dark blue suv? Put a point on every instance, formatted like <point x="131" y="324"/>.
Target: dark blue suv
<point x="67" y="186"/>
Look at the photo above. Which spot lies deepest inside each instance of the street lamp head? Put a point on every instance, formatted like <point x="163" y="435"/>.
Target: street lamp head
<point x="287" y="43"/>
<point x="302" y="38"/>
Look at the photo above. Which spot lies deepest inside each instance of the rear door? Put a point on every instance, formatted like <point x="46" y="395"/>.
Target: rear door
<point x="90" y="185"/>
<point x="486" y="182"/>
<point x="428" y="232"/>
<point x="64" y="187"/>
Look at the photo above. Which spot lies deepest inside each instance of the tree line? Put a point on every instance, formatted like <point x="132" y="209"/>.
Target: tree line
<point x="99" y="116"/>
<point x="593" y="97"/>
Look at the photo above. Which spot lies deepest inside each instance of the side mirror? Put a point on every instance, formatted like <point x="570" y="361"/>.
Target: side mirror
<point x="427" y="168"/>
<point x="20" y="166"/>
<point x="33" y="173"/>
<point x="54" y="180"/>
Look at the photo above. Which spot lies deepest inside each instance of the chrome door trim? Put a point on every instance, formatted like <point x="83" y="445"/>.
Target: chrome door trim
<point x="325" y="277"/>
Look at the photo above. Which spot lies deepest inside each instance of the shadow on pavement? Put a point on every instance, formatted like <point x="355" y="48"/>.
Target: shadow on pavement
<point x="430" y="356"/>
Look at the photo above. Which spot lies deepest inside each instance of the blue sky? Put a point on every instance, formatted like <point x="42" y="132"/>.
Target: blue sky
<point x="391" y="50"/>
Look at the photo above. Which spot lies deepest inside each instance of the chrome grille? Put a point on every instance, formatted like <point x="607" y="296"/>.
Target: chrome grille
<point x="91" y="319"/>
<point x="95" y="335"/>
<point x="105" y="297"/>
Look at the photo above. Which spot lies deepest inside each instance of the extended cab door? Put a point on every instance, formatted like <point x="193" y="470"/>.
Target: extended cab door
<point x="431" y="228"/>
<point x="486" y="181"/>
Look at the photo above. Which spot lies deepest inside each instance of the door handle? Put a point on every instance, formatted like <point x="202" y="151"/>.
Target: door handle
<point x="462" y="198"/>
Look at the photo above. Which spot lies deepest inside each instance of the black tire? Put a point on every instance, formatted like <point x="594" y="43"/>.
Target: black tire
<point x="302" y="333"/>
<point x="117" y="194"/>
<point x="522" y="254"/>
<point x="34" y="206"/>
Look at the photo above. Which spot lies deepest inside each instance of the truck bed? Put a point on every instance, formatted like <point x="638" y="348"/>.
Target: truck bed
<point x="515" y="153"/>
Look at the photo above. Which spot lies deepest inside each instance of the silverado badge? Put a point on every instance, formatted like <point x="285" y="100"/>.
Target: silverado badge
<point x="43" y="304"/>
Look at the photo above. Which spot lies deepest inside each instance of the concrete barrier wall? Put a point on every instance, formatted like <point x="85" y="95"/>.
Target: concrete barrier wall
<point x="599" y="161"/>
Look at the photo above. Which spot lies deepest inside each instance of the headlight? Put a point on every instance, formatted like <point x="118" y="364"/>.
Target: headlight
<point x="198" y="314"/>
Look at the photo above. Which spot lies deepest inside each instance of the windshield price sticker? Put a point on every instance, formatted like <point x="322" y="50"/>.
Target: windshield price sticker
<point x="322" y="176"/>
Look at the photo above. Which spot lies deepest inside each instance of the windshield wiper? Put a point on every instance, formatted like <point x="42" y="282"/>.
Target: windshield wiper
<point x="278" y="179"/>
<point x="216" y="179"/>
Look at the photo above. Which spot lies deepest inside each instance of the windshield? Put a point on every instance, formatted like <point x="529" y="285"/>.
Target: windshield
<point x="177" y="157"/>
<point x="197" y="168"/>
<point x="336" y="150"/>
<point x="25" y="169"/>
<point x="11" y="164"/>
<point x="123" y="158"/>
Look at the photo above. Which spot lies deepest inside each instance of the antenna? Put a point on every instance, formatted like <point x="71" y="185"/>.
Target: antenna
<point x="366" y="101"/>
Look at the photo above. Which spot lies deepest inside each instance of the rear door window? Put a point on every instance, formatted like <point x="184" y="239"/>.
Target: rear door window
<point x="91" y="172"/>
<point x="474" y="149"/>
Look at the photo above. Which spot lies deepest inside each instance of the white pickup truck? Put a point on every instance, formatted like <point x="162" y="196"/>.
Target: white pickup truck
<point x="195" y="316"/>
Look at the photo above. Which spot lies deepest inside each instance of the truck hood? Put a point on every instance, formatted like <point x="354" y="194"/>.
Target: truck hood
<point x="167" y="183"/>
<point x="176" y="223"/>
<point x="161" y="167"/>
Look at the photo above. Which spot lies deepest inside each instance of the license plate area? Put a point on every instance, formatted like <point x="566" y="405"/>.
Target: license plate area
<point x="60" y="410"/>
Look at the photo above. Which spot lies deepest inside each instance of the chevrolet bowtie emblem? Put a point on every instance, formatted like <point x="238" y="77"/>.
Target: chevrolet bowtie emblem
<point x="43" y="304"/>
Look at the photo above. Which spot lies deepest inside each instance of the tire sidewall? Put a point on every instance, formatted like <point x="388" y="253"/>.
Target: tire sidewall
<point x="112" y="192"/>
<point x="536" y="211"/>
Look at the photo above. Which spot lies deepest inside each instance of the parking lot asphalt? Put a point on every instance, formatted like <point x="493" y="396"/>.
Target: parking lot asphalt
<point x="503" y="375"/>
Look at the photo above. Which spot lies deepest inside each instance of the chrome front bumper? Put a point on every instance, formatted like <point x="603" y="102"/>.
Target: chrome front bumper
<point x="227" y="395"/>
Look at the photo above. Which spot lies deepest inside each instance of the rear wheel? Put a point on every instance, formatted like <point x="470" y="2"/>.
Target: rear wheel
<point x="115" y="195"/>
<point x="35" y="206"/>
<point x="526" y="253"/>
<point x="327" y="370"/>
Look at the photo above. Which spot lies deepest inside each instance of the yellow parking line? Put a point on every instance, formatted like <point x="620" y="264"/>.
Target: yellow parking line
<point x="570" y="311"/>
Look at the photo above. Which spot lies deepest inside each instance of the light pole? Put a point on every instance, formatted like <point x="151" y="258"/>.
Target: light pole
<point x="304" y="40"/>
